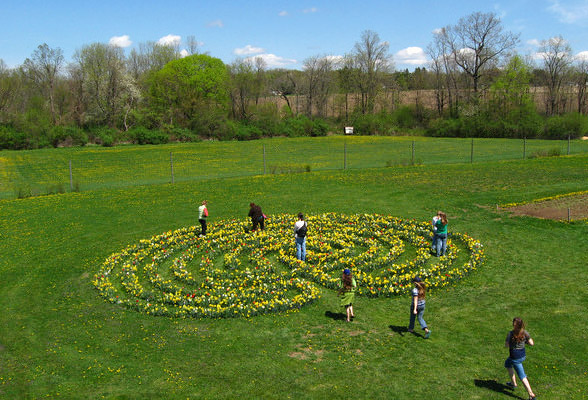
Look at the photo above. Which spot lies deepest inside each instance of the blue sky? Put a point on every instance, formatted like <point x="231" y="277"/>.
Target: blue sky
<point x="284" y="33"/>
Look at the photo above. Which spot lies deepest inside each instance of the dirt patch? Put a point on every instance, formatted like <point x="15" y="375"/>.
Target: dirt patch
<point x="556" y="209"/>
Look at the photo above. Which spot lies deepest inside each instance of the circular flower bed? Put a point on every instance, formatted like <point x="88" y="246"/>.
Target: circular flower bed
<point x="232" y="273"/>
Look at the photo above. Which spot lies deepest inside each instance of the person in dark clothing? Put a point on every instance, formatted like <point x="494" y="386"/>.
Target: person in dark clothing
<point x="256" y="215"/>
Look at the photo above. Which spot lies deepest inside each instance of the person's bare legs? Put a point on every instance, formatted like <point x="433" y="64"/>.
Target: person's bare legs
<point x="513" y="379"/>
<point x="528" y="387"/>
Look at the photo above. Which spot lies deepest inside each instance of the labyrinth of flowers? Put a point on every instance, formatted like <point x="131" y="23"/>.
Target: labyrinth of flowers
<point x="235" y="273"/>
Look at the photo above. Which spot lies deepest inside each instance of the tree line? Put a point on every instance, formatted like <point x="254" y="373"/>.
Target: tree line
<point x="475" y="85"/>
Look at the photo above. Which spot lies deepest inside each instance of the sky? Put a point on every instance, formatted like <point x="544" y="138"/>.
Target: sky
<point x="283" y="33"/>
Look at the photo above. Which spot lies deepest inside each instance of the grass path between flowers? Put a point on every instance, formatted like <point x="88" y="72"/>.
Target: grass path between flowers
<point x="59" y="339"/>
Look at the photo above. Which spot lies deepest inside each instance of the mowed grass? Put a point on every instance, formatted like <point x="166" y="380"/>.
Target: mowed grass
<point x="59" y="339"/>
<point x="38" y="172"/>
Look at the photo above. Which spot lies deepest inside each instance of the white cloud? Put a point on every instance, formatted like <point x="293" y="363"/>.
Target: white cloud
<point x="120" y="41"/>
<point x="569" y="13"/>
<point x="310" y="10"/>
<point x="534" y="42"/>
<point x="437" y="31"/>
<point x="273" y="61"/>
<point x="170" y="40"/>
<point x="283" y="13"/>
<point x="582" y="56"/>
<point x="184" y="53"/>
<point x="411" y="55"/>
<point x="216" y="24"/>
<point x="248" y="50"/>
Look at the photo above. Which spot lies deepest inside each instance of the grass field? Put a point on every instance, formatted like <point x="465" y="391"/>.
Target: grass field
<point x="60" y="339"/>
<point x="24" y="173"/>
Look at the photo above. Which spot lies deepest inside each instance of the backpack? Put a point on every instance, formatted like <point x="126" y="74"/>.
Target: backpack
<point x="301" y="232"/>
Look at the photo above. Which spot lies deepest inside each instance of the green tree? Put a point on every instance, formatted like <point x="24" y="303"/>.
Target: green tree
<point x="186" y="90"/>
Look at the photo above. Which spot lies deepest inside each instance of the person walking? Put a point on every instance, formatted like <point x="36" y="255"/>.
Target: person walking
<point x="515" y="341"/>
<point x="300" y="230"/>
<point x="441" y="234"/>
<point x="202" y="215"/>
<point x="347" y="286"/>
<point x="257" y="217"/>
<point x="433" y="223"/>
<point x="417" y="306"/>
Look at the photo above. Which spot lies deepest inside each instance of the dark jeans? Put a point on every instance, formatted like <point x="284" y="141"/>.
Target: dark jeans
<point x="203" y="223"/>
<point x="256" y="221"/>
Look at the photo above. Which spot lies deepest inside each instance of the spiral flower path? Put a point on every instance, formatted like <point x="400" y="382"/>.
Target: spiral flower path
<point x="233" y="273"/>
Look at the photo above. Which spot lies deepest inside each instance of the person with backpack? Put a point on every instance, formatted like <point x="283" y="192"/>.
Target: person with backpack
<point x="257" y="216"/>
<point x="300" y="230"/>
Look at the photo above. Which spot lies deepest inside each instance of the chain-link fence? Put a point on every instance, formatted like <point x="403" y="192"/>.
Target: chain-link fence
<point x="39" y="172"/>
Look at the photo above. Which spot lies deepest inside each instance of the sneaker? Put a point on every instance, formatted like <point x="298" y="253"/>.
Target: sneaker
<point x="532" y="397"/>
<point x="428" y="334"/>
<point x="511" y="385"/>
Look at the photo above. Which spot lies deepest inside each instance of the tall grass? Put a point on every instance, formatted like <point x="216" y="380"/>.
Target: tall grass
<point x="59" y="339"/>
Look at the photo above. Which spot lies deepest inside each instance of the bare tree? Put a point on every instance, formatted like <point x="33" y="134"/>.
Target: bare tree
<point x="106" y="88"/>
<point x="7" y="87"/>
<point x="43" y="68"/>
<point x="317" y="70"/>
<point x="557" y="59"/>
<point x="242" y="87"/>
<point x="477" y="42"/>
<point x="581" y="80"/>
<point x="372" y="60"/>
<point x="192" y="45"/>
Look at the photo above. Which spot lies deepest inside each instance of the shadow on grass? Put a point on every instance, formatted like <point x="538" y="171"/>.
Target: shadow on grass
<point x="401" y="330"/>
<point x="491" y="384"/>
<point x="336" y="316"/>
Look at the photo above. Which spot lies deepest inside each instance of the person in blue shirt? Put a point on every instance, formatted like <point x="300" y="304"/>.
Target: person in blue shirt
<point x="515" y="341"/>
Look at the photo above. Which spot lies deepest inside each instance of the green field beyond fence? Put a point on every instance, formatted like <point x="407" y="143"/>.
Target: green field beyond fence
<point x="39" y="172"/>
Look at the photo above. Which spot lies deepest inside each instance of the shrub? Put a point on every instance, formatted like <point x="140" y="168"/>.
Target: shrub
<point x="141" y="135"/>
<point x="573" y="124"/>
<point x="247" y="132"/>
<point x="67" y="136"/>
<point x="104" y="136"/>
<point x="12" y="139"/>
<point x="382" y="123"/>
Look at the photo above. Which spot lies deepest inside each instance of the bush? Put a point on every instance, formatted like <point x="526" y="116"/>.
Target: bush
<point x="142" y="135"/>
<point x="303" y="126"/>
<point x="382" y="123"/>
<point x="104" y="136"/>
<point x="12" y="139"/>
<point x="247" y="132"/>
<point x="574" y="125"/>
<point x="67" y="136"/>
<point x="181" y="134"/>
<point x="441" y="127"/>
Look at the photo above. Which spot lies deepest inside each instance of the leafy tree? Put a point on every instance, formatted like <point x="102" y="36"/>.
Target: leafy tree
<point x="190" y="88"/>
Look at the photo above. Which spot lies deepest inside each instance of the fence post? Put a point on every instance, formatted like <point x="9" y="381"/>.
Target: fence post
<point x="472" y="152"/>
<point x="412" y="160"/>
<point x="524" y="147"/>
<point x="568" y="145"/>
<point x="171" y="162"/>
<point x="345" y="155"/>
<point x="264" y="159"/>
<point x="568" y="214"/>
<point x="70" y="177"/>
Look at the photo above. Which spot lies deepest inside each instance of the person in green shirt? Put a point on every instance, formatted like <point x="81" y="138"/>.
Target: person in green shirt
<point x="347" y="286"/>
<point x="441" y="234"/>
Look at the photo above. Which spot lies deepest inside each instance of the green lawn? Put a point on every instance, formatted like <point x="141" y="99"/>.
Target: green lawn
<point x="60" y="339"/>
